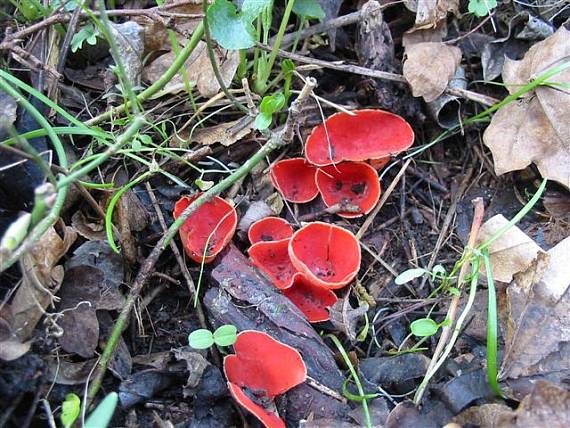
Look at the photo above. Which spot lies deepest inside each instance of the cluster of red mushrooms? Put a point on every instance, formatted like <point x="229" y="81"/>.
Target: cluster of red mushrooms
<point x="342" y="158"/>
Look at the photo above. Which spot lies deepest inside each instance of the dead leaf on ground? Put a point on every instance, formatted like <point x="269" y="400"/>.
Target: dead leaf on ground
<point x="41" y="280"/>
<point x="130" y="43"/>
<point x="431" y="12"/>
<point x="7" y="109"/>
<point x="11" y="347"/>
<point x="226" y="133"/>
<point x="429" y="67"/>
<point x="512" y="253"/>
<point x="538" y="329"/>
<point x="486" y="415"/>
<point x="91" y="229"/>
<point x="198" y="68"/>
<point x="91" y="283"/>
<point x="535" y="129"/>
<point x="547" y="406"/>
<point x="345" y="318"/>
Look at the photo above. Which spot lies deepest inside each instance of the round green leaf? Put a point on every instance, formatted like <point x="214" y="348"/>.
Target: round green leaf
<point x="230" y="30"/>
<point x="272" y="103"/>
<point x="70" y="410"/>
<point x="225" y="335"/>
<point x="262" y="121"/>
<point x="201" y="339"/>
<point x="409" y="275"/>
<point x="424" y="327"/>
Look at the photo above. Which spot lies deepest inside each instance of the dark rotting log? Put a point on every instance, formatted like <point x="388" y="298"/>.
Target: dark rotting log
<point x="243" y="297"/>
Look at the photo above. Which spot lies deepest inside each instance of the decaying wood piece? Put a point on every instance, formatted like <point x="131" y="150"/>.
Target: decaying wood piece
<point x="244" y="298"/>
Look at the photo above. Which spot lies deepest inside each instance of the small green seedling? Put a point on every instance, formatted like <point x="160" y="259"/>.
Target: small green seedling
<point x="426" y="327"/>
<point x="70" y="409"/>
<point x="87" y="34"/>
<point x="225" y="335"/>
<point x="481" y="8"/>
<point x="438" y="271"/>
<point x="269" y="104"/>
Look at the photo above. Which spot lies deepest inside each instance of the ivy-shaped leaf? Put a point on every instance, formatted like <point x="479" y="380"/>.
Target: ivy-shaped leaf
<point x="87" y="34"/>
<point x="481" y="8"/>
<point x="230" y="29"/>
<point x="251" y="9"/>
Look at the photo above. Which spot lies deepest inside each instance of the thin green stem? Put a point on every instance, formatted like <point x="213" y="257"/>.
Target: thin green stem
<point x="161" y="82"/>
<point x="124" y="138"/>
<point x="491" y="328"/>
<point x="354" y="377"/>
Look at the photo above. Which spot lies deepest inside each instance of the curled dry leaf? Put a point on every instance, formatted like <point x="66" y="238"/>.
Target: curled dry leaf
<point x="429" y="67"/>
<point x="225" y="133"/>
<point x="535" y="129"/>
<point x="345" y="318"/>
<point x="42" y="278"/>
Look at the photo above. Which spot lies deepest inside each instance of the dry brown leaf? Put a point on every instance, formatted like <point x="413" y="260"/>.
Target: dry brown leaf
<point x="431" y="12"/>
<point x="535" y="129"/>
<point x="225" y="133"/>
<point x="11" y="347"/>
<point x="41" y="280"/>
<point x="345" y="318"/>
<point x="547" y="406"/>
<point x="429" y="67"/>
<point x="198" y="68"/>
<point x="539" y="317"/>
<point x="512" y="253"/>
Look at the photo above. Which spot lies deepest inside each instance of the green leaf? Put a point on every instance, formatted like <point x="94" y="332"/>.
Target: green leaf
<point x="201" y="339"/>
<point x="438" y="270"/>
<point x="409" y="275"/>
<point x="481" y="8"/>
<point x="262" y="121"/>
<point x="251" y="9"/>
<point x="269" y="105"/>
<point x="424" y="327"/>
<point x="230" y="29"/>
<point x="70" y="409"/>
<point x="309" y="9"/>
<point x="101" y="416"/>
<point x="287" y="66"/>
<point x="203" y="185"/>
<point x="225" y="335"/>
<point x="88" y="33"/>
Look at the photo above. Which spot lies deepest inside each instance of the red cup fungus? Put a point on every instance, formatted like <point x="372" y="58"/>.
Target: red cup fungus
<point x="379" y="163"/>
<point x="326" y="254"/>
<point x="269" y="229"/>
<point x="295" y="180"/>
<point x="349" y="183"/>
<point x="311" y="299"/>
<point x="261" y="369"/>
<point x="272" y="258"/>
<point x="208" y="229"/>
<point x="368" y="134"/>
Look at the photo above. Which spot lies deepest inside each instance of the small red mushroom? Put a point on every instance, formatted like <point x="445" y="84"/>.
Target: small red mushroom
<point x="350" y="183"/>
<point x="272" y="258"/>
<point x="295" y="180"/>
<point x="212" y="225"/>
<point x="368" y="134"/>
<point x="269" y="229"/>
<point x="326" y="254"/>
<point x="379" y="163"/>
<point x="261" y="369"/>
<point x="311" y="299"/>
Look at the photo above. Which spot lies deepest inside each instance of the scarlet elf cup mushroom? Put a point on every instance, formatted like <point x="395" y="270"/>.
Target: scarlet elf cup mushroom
<point x="272" y="258"/>
<point x="295" y="180"/>
<point x="269" y="229"/>
<point x="261" y="369"/>
<point x="361" y="136"/>
<point x="208" y="229"/>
